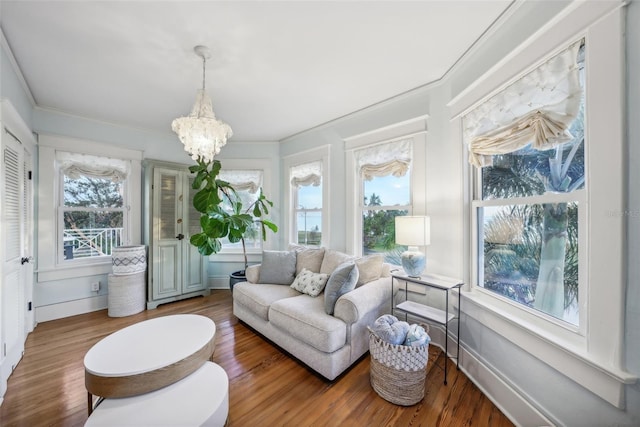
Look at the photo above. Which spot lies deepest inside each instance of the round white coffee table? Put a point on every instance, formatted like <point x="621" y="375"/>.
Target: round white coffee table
<point x="147" y="356"/>
<point x="200" y="399"/>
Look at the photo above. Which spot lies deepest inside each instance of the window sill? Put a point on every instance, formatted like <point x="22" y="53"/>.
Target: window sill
<point x="73" y="271"/>
<point x="603" y="379"/>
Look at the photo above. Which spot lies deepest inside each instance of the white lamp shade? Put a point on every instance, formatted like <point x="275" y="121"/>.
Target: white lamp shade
<point x="413" y="230"/>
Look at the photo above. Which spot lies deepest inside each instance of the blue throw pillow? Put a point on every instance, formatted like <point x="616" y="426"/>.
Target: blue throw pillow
<point x="342" y="280"/>
<point x="278" y="267"/>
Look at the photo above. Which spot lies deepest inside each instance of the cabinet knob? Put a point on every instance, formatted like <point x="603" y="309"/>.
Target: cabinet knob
<point x="180" y="236"/>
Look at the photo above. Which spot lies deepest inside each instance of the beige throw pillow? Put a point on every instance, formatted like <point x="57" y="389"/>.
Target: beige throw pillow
<point x="311" y="259"/>
<point x="332" y="259"/>
<point x="370" y="268"/>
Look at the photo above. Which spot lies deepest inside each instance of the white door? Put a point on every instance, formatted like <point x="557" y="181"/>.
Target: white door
<point x="16" y="318"/>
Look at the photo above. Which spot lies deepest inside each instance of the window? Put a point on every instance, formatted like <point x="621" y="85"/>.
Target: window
<point x="92" y="205"/>
<point x="527" y="143"/>
<point x="247" y="184"/>
<point x="306" y="188"/>
<point x="383" y="171"/>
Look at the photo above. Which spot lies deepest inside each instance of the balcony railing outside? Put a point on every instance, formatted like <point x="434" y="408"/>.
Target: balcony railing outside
<point x="90" y="242"/>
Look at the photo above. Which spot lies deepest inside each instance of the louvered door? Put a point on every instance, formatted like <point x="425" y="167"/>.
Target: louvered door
<point x="12" y="288"/>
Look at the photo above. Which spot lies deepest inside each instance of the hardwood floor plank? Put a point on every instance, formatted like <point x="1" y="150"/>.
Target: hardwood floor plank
<point x="267" y="386"/>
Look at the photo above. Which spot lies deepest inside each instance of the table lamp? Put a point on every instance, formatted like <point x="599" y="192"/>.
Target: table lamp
<point x="413" y="231"/>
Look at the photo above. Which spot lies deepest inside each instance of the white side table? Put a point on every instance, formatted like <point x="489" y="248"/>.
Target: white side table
<point x="200" y="399"/>
<point x="147" y="356"/>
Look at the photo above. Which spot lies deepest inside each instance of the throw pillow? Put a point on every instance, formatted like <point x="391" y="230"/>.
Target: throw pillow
<point x="333" y="259"/>
<point x="342" y="280"/>
<point x="278" y="267"/>
<point x="311" y="259"/>
<point x="310" y="283"/>
<point x="370" y="268"/>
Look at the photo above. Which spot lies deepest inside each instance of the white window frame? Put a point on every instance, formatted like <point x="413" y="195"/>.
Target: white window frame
<point x="321" y="154"/>
<point x="593" y="356"/>
<point x="61" y="261"/>
<point x="237" y="249"/>
<point x="50" y="267"/>
<point x="268" y="188"/>
<point x="414" y="129"/>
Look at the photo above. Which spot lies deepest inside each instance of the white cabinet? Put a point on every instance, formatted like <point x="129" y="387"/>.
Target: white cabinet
<point x="176" y="268"/>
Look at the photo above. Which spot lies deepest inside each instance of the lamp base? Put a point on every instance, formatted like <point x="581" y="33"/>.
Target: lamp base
<point x="413" y="262"/>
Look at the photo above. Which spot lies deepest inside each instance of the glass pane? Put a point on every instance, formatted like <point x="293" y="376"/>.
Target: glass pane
<point x="388" y="191"/>
<point x="530" y="172"/>
<point x="309" y="226"/>
<point x="379" y="234"/>
<point x="531" y="256"/>
<point x="91" y="234"/>
<point x="92" y="193"/>
<point x="310" y="197"/>
<point x="168" y="207"/>
<point x="252" y="238"/>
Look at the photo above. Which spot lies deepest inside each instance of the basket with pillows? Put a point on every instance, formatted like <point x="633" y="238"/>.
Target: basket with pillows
<point x="399" y="355"/>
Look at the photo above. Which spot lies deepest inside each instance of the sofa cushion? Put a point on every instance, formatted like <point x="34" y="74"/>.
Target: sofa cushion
<point x="311" y="259"/>
<point x="310" y="283"/>
<point x="341" y="281"/>
<point x="304" y="318"/>
<point x="258" y="298"/>
<point x="278" y="267"/>
<point x="333" y="259"/>
<point x="369" y="268"/>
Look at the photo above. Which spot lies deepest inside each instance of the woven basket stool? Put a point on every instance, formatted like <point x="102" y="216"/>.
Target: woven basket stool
<point x="398" y="372"/>
<point x="127" y="294"/>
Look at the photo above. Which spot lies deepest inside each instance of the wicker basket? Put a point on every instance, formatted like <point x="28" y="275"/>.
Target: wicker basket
<point x="398" y="372"/>
<point x="127" y="294"/>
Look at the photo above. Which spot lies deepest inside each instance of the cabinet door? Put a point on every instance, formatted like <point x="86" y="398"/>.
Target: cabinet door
<point x="167" y="233"/>
<point x="195" y="267"/>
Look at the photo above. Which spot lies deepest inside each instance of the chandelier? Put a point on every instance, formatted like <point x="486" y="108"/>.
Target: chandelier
<point x="201" y="133"/>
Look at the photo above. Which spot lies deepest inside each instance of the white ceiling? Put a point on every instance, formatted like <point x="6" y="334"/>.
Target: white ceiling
<point x="278" y="67"/>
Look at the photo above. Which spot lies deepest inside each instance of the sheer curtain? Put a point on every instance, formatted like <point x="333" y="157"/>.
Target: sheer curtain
<point x="307" y="174"/>
<point x="242" y="180"/>
<point x="390" y="158"/>
<point x="75" y="165"/>
<point x="536" y="109"/>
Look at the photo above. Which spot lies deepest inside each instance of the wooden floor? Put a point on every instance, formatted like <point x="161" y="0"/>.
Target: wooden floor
<point x="267" y="386"/>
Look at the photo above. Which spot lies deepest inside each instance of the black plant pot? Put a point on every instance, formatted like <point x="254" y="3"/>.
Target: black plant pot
<point x="236" y="277"/>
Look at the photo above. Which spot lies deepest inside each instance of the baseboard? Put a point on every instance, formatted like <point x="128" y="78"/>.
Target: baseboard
<point x="70" y="308"/>
<point x="512" y="404"/>
<point x="219" y="282"/>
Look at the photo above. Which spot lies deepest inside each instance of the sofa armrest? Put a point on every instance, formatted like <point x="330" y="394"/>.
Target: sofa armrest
<point x="372" y="296"/>
<point x="252" y="273"/>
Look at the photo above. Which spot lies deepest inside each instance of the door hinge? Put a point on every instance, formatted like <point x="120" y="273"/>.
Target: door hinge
<point x="29" y="306"/>
<point x="4" y="350"/>
<point x="30" y="174"/>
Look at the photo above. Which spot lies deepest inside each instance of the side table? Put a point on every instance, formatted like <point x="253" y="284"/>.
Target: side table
<point x="442" y="317"/>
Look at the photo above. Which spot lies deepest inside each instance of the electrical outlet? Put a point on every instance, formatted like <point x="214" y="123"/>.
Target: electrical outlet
<point x="95" y="287"/>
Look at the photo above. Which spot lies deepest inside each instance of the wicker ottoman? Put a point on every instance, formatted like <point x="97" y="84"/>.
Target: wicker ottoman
<point x="127" y="294"/>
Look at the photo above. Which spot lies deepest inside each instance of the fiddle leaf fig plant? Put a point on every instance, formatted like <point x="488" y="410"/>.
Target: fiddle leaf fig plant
<point x="222" y="212"/>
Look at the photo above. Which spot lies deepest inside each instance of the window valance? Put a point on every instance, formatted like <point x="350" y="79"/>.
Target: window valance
<point x="536" y="109"/>
<point x="391" y="158"/>
<point x="307" y="174"/>
<point x="243" y="180"/>
<point x="76" y="165"/>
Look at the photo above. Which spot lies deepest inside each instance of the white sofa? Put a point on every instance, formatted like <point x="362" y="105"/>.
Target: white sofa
<point x="299" y="323"/>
